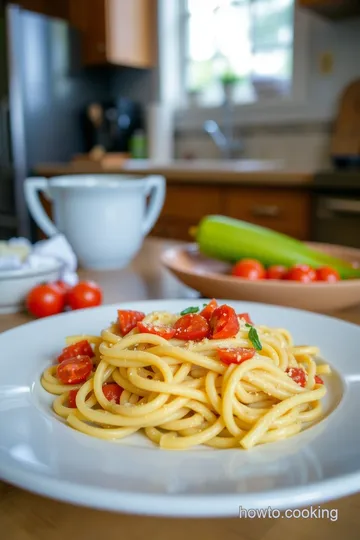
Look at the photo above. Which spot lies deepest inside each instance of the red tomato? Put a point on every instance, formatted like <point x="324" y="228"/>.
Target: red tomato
<point x="165" y="332"/>
<point x="325" y="273"/>
<point x="112" y="392"/>
<point x="318" y="380"/>
<point x="45" y="300"/>
<point x="301" y="272"/>
<point x="74" y="370"/>
<point x="127" y="319"/>
<point x="64" y="287"/>
<point x="224" y="323"/>
<point x="84" y="295"/>
<point x="191" y="327"/>
<point x="235" y="356"/>
<point x="276" y="272"/>
<point x="81" y="348"/>
<point x="249" y="269"/>
<point x="72" y="399"/>
<point x="245" y="317"/>
<point x="297" y="374"/>
<point x="209" y="309"/>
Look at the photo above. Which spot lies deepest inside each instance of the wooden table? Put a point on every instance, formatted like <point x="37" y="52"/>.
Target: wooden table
<point x="24" y="516"/>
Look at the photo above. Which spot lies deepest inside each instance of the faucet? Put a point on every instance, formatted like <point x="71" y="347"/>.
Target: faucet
<point x="224" y="140"/>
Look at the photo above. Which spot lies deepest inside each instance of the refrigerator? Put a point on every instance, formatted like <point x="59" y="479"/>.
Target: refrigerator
<point x="43" y="90"/>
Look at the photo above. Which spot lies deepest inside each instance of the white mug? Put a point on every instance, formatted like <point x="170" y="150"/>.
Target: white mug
<point x="104" y="217"/>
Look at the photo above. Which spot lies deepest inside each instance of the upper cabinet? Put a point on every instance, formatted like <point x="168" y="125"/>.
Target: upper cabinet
<point x="121" y="32"/>
<point x="333" y="9"/>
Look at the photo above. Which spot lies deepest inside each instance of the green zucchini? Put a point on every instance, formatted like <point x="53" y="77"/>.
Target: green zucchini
<point x="230" y="240"/>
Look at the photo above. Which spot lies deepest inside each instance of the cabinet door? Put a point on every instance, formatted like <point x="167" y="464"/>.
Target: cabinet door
<point x="131" y="32"/>
<point x="284" y="210"/>
<point x="90" y="19"/>
<point x="184" y="207"/>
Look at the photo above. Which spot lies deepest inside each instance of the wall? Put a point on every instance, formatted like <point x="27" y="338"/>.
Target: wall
<point x="299" y="134"/>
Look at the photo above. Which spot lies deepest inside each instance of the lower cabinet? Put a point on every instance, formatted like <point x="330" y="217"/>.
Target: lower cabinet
<point x="286" y="210"/>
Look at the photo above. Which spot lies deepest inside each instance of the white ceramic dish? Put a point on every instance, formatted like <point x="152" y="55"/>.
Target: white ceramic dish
<point x="41" y="454"/>
<point x="15" y="284"/>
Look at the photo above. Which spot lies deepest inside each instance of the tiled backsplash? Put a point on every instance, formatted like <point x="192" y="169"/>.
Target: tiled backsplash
<point x="305" y="146"/>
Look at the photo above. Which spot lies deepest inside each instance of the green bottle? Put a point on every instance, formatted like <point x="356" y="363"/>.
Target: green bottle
<point x="138" y="146"/>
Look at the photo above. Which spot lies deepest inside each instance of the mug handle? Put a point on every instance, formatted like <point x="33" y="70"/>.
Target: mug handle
<point x="31" y="188"/>
<point x="156" y="188"/>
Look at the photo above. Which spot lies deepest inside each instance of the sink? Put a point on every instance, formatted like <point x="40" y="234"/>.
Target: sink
<point x="245" y="165"/>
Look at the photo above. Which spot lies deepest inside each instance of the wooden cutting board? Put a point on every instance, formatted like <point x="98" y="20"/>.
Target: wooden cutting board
<point x="346" y="136"/>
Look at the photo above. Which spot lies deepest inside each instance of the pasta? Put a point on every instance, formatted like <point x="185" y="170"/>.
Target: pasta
<point x="232" y="384"/>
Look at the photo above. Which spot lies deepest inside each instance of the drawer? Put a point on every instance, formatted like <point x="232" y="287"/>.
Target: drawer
<point x="173" y="228"/>
<point x="283" y="210"/>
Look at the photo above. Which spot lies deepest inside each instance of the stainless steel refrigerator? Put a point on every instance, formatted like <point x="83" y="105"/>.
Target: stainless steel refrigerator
<point x="43" y="89"/>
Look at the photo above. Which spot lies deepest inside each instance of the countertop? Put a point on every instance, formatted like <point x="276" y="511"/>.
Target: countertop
<point x="24" y="516"/>
<point x="250" y="172"/>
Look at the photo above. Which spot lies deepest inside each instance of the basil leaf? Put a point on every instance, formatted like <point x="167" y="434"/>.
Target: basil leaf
<point x="189" y="310"/>
<point x="254" y="338"/>
<point x="248" y="325"/>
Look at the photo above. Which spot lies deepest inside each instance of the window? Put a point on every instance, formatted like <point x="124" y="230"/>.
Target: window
<point x="242" y="49"/>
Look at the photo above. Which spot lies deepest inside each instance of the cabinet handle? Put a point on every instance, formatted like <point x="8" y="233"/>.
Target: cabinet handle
<point x="265" y="210"/>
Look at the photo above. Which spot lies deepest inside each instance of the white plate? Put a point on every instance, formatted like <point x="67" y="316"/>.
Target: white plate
<point x="39" y="453"/>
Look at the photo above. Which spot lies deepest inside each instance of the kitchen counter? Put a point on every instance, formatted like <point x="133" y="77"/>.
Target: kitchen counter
<point x="242" y="172"/>
<point x="25" y="516"/>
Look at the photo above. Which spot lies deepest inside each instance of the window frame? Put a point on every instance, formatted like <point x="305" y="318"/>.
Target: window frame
<point x="274" y="109"/>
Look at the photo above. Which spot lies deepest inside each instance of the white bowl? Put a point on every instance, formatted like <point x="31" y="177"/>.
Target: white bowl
<point x="15" y="284"/>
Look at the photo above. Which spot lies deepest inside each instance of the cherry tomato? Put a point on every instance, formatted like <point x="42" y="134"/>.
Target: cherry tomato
<point x="84" y="295"/>
<point x="224" y="323"/>
<point x="325" y="273"/>
<point x="45" y="300"/>
<point x="81" y="348"/>
<point x="209" y="309"/>
<point x="112" y="392"/>
<point x="301" y="272"/>
<point x="165" y="332"/>
<point x="127" y="319"/>
<point x="235" y="356"/>
<point x="249" y="269"/>
<point x="318" y="380"/>
<point x="276" y="272"/>
<point x="245" y="317"/>
<point x="74" y="370"/>
<point x="191" y="327"/>
<point x="298" y="375"/>
<point x="72" y="399"/>
<point x="64" y="287"/>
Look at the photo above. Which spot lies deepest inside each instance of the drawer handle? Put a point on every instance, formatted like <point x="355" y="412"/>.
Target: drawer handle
<point x="265" y="210"/>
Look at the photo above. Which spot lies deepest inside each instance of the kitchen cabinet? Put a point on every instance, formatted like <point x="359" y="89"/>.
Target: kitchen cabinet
<point x="333" y="9"/>
<point x="285" y="210"/>
<point x="120" y="32"/>
<point x="55" y="8"/>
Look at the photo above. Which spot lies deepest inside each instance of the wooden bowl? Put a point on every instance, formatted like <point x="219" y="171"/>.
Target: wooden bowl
<point x="211" y="278"/>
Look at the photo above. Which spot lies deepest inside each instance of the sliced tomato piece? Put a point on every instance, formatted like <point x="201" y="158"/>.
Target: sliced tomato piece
<point x="74" y="370"/>
<point x="191" y="327"/>
<point x="81" y="348"/>
<point x="72" y="399"/>
<point x="128" y="319"/>
<point x="209" y="309"/>
<point x="236" y="355"/>
<point x="165" y="332"/>
<point x="318" y="380"/>
<point x="298" y="375"/>
<point x="112" y="392"/>
<point x="224" y="323"/>
<point x="245" y="317"/>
